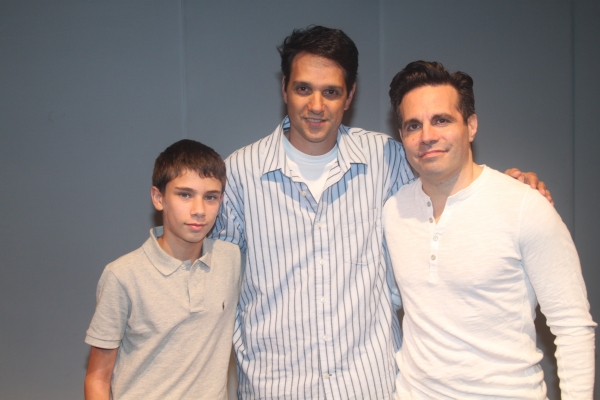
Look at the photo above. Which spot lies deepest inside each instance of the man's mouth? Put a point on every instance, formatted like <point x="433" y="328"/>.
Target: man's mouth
<point x="431" y="153"/>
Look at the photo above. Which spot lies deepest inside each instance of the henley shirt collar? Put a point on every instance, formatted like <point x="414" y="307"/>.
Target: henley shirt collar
<point x="462" y="194"/>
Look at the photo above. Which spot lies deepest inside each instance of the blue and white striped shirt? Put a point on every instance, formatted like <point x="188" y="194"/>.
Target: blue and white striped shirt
<point x="315" y="318"/>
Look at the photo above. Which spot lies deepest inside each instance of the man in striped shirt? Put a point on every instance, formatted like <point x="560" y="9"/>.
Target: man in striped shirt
<point x="315" y="318"/>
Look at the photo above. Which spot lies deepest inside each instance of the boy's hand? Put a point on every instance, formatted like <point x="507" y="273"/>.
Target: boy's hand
<point x="531" y="179"/>
<point x="99" y="373"/>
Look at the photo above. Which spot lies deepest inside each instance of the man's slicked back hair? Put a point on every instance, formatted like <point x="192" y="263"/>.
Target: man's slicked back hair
<point x="187" y="155"/>
<point x="426" y="73"/>
<point x="332" y="44"/>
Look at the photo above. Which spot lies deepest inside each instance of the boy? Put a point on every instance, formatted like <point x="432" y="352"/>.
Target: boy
<point x="163" y="323"/>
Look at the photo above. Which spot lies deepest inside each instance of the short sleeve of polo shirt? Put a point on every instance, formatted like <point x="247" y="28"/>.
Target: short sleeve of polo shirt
<point x="110" y="318"/>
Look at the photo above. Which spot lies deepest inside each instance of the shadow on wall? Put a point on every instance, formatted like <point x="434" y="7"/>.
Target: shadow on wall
<point x="545" y="342"/>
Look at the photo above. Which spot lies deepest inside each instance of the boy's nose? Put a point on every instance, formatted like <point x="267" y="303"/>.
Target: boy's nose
<point x="198" y="207"/>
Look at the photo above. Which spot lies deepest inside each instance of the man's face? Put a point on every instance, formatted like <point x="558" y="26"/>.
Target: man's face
<point x="436" y="139"/>
<point x="189" y="206"/>
<point x="316" y="99"/>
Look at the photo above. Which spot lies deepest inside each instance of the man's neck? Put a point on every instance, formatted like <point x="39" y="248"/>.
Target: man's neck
<point x="439" y="190"/>
<point x="311" y="148"/>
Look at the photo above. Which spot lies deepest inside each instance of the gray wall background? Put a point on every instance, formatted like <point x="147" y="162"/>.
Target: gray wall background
<point x="91" y="92"/>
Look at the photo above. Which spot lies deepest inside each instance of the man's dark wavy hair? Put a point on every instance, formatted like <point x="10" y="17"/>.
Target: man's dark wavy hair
<point x="426" y="73"/>
<point x="333" y="44"/>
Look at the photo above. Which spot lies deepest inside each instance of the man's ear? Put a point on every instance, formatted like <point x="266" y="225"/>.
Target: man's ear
<point x="350" y="97"/>
<point x="472" y="124"/>
<point x="157" y="198"/>
<point x="283" y="91"/>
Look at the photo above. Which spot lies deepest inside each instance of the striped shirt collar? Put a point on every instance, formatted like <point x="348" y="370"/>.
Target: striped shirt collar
<point x="349" y="150"/>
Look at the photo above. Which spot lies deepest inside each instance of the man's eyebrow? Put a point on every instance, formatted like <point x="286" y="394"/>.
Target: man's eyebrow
<point x="410" y="121"/>
<point x="300" y="83"/>
<point x="444" y="116"/>
<point x="329" y="87"/>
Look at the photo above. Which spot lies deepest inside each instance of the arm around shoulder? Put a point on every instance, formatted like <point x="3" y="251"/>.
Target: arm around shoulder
<point x="99" y="373"/>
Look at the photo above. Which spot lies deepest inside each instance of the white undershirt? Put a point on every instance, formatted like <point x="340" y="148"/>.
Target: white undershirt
<point x="313" y="170"/>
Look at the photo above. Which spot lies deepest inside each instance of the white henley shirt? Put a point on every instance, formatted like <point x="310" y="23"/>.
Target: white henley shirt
<point x="470" y="285"/>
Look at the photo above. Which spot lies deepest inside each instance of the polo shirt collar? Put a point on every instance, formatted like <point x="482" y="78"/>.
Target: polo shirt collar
<point x="165" y="263"/>
<point x="350" y="150"/>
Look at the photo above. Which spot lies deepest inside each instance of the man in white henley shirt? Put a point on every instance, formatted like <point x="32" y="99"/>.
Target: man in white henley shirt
<point x="473" y="252"/>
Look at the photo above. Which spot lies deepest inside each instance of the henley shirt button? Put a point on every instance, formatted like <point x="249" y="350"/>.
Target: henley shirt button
<point x="435" y="238"/>
<point x="433" y="256"/>
<point x="326" y="376"/>
<point x="428" y="204"/>
<point x="319" y="224"/>
<point x="322" y="299"/>
<point x="322" y="262"/>
<point x="325" y="338"/>
<point x="430" y="220"/>
<point x="303" y="193"/>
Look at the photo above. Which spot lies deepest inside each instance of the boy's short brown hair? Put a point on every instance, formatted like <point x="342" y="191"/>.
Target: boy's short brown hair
<point x="186" y="155"/>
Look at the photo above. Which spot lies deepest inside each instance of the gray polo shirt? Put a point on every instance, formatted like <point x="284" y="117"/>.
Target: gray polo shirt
<point x="172" y="321"/>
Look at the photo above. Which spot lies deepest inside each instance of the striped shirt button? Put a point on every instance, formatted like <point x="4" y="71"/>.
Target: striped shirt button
<point x="433" y="257"/>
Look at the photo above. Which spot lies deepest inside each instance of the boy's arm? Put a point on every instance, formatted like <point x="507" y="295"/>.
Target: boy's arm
<point x="99" y="373"/>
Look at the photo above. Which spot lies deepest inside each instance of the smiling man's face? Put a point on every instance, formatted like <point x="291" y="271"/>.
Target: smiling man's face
<point x="316" y="98"/>
<point x="435" y="136"/>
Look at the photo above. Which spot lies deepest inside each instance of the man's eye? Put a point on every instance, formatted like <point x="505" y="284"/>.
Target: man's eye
<point x="185" y="195"/>
<point x="331" y="93"/>
<point x="303" y="89"/>
<point x="210" y="198"/>
<point x="412" y="127"/>
<point x="442" y="121"/>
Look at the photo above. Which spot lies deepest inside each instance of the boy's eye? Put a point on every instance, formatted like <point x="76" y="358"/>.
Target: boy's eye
<point x="185" y="195"/>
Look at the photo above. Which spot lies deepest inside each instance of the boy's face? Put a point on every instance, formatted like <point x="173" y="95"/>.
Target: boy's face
<point x="189" y="205"/>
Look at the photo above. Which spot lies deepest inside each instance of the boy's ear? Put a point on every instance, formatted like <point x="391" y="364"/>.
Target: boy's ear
<point x="157" y="198"/>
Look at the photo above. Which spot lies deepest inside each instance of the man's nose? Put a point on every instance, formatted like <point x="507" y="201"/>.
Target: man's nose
<point x="429" y="134"/>
<point x="315" y="105"/>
